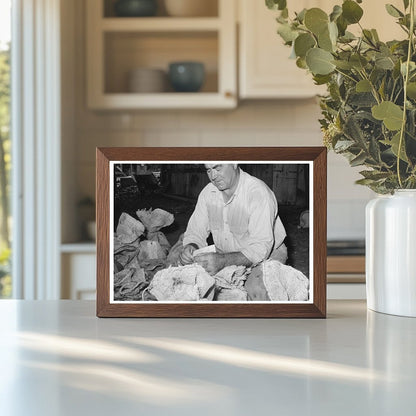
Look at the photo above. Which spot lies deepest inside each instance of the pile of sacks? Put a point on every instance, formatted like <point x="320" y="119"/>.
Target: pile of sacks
<point x="146" y="268"/>
<point x="140" y="250"/>
<point x="269" y="281"/>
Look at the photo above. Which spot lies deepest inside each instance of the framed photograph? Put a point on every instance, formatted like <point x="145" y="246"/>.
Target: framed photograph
<point x="211" y="232"/>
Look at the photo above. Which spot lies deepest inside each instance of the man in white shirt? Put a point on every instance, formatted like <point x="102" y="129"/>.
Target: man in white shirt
<point x="241" y="213"/>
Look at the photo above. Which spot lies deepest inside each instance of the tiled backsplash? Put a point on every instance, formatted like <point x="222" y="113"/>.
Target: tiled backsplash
<point x="271" y="123"/>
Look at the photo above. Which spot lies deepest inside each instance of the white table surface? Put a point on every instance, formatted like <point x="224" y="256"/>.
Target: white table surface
<point x="57" y="358"/>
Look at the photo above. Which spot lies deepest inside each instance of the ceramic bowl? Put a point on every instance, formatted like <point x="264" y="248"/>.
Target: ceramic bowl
<point x="135" y="8"/>
<point x="186" y="76"/>
<point x="147" y="80"/>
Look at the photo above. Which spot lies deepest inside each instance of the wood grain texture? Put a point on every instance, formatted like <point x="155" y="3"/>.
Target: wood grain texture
<point x="317" y="309"/>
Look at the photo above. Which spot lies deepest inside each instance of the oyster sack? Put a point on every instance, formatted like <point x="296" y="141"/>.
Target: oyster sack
<point x="150" y="250"/>
<point x="284" y="282"/>
<point x="184" y="283"/>
<point x="155" y="219"/>
<point x="128" y="229"/>
<point x="230" y="284"/>
<point x="160" y="238"/>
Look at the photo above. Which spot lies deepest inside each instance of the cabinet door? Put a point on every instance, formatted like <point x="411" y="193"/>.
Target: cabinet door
<point x="78" y="276"/>
<point x="266" y="71"/>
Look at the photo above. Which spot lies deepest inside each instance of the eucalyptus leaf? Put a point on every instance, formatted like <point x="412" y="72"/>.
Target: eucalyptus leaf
<point x="342" y="25"/>
<point x="347" y="37"/>
<point x="351" y="11"/>
<point x="276" y="4"/>
<point x="325" y="42"/>
<point x="374" y="151"/>
<point x="382" y="89"/>
<point x="336" y="12"/>
<point x="303" y="43"/>
<point x="316" y="20"/>
<point x="412" y="67"/>
<point x="358" y="61"/>
<point x="301" y="15"/>
<point x="375" y="35"/>
<point x="281" y="19"/>
<point x="384" y="62"/>
<point x="301" y="63"/>
<point x="411" y="90"/>
<point x="321" y="79"/>
<point x="395" y="142"/>
<point x="369" y="36"/>
<point x="363" y="86"/>
<point x="374" y="174"/>
<point x="345" y="65"/>
<point x="393" y="11"/>
<point x="391" y="114"/>
<point x="343" y="145"/>
<point x="354" y="132"/>
<point x="358" y="160"/>
<point x="333" y="32"/>
<point x="320" y="61"/>
<point x="287" y="33"/>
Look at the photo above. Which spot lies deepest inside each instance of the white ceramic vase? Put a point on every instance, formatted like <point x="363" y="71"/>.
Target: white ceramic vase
<point x="391" y="253"/>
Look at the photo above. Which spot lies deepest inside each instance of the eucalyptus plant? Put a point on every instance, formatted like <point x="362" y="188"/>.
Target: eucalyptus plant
<point x="369" y="111"/>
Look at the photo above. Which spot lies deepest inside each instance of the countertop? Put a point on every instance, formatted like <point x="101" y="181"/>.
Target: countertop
<point x="57" y="358"/>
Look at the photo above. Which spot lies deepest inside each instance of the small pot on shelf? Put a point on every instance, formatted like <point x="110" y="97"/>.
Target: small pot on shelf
<point x="186" y="76"/>
<point x="135" y="8"/>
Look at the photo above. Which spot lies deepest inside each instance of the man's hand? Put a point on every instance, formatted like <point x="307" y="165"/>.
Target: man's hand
<point x="211" y="262"/>
<point x="186" y="256"/>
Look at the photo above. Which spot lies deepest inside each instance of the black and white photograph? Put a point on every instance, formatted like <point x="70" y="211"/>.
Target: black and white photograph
<point x="213" y="231"/>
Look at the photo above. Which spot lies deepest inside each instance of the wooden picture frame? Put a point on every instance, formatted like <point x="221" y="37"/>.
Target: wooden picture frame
<point x="310" y="159"/>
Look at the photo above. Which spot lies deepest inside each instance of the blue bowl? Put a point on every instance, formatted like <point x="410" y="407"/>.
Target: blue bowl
<point x="135" y="8"/>
<point x="186" y="76"/>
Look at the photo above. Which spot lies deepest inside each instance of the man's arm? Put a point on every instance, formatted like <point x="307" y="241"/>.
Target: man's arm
<point x="263" y="211"/>
<point x="214" y="262"/>
<point x="197" y="230"/>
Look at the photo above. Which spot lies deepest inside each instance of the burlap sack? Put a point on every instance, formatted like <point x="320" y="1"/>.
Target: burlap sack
<point x="151" y="250"/>
<point x="155" y="219"/>
<point x="184" y="283"/>
<point x="128" y="230"/>
<point x="272" y="280"/>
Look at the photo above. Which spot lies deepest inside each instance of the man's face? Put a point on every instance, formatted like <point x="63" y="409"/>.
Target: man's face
<point x="222" y="176"/>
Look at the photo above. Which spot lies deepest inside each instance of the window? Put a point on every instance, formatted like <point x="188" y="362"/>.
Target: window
<point x="5" y="147"/>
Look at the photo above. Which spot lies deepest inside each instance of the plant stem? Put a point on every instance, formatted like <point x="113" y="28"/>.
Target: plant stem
<point x="405" y="81"/>
<point x="346" y="75"/>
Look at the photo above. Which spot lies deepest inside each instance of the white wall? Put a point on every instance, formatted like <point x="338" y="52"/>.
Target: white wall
<point x="253" y="123"/>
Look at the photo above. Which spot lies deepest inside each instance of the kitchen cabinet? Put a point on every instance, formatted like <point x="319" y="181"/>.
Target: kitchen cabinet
<point x="265" y="70"/>
<point x="78" y="263"/>
<point x="118" y="45"/>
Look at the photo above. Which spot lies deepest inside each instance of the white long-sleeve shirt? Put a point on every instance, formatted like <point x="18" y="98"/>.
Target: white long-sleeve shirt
<point x="247" y="223"/>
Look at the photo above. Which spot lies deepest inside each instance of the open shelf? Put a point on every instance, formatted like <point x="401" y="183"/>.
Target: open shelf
<point x="116" y="46"/>
<point x="160" y="24"/>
